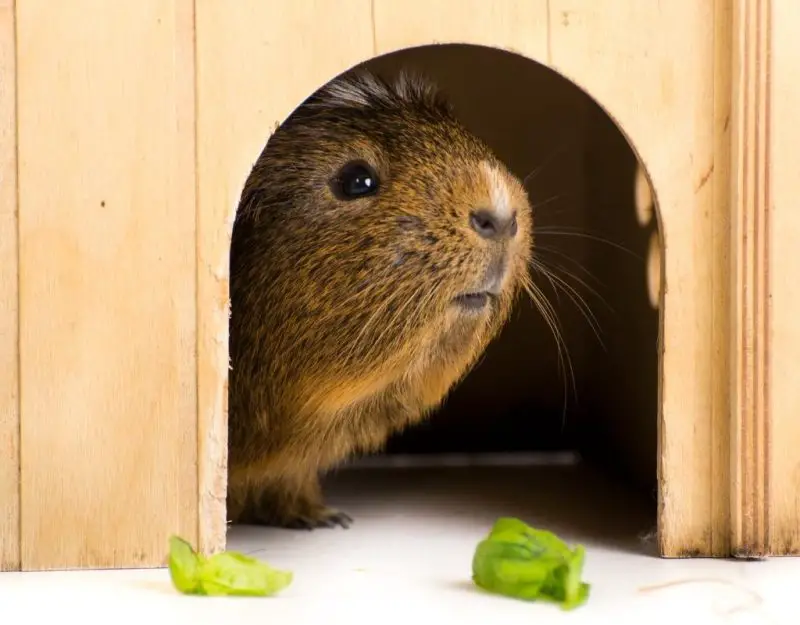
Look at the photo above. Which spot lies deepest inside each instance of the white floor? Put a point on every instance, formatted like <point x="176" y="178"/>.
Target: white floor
<point x="407" y="560"/>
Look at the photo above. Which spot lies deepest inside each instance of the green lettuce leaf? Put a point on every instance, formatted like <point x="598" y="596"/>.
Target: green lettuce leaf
<point x="519" y="561"/>
<point x="224" y="574"/>
<point x="184" y="566"/>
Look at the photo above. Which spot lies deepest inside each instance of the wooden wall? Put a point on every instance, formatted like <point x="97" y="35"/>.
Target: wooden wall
<point x="783" y="167"/>
<point x="765" y="481"/>
<point x="135" y="125"/>
<point x="9" y="301"/>
<point x="107" y="263"/>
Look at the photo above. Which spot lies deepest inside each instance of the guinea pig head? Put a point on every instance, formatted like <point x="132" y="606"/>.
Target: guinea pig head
<point x="387" y="231"/>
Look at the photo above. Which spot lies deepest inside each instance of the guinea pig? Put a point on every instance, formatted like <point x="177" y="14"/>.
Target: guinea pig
<point x="378" y="248"/>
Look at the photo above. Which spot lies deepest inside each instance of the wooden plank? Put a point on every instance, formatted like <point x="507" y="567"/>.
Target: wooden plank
<point x="629" y="59"/>
<point x="9" y="298"/>
<point x="107" y="281"/>
<point x="721" y="279"/>
<point x="750" y="239"/>
<point x="783" y="332"/>
<point x="514" y="25"/>
<point x="248" y="81"/>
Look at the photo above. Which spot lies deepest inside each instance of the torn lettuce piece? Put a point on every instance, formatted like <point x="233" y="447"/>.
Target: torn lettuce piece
<point x="231" y="573"/>
<point x="519" y="561"/>
<point x="184" y="566"/>
<point x="223" y="574"/>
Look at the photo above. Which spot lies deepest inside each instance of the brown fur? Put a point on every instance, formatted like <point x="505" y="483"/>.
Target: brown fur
<point x="343" y="327"/>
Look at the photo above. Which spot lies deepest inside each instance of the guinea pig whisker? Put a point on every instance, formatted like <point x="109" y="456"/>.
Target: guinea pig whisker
<point x="536" y="265"/>
<point x="566" y="257"/>
<point x="378" y="312"/>
<point x="396" y="316"/>
<point x="553" y="266"/>
<point x="580" y="302"/>
<point x="563" y="232"/>
<point x="429" y="293"/>
<point x="548" y="313"/>
<point x="537" y="205"/>
<point x="564" y="359"/>
<point x="549" y="159"/>
<point x="361" y="293"/>
<point x="356" y="343"/>
<point x="549" y="271"/>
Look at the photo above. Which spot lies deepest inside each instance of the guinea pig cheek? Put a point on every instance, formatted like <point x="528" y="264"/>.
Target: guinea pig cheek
<point x="413" y="244"/>
<point x="399" y="258"/>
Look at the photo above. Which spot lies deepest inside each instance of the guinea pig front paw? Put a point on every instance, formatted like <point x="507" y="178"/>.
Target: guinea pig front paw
<point x="318" y="518"/>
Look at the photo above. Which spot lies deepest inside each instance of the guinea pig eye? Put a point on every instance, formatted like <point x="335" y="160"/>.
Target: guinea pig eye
<point x="355" y="180"/>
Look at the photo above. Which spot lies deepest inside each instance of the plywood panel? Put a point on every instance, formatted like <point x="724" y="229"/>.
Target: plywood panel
<point x="784" y="265"/>
<point x="107" y="281"/>
<point x="9" y="335"/>
<point x="750" y="236"/>
<point x="249" y="78"/>
<point x="649" y="80"/>
<point x="720" y="248"/>
<point x="514" y="25"/>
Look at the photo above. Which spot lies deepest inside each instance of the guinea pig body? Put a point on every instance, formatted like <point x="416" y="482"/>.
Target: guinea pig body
<point x="377" y="249"/>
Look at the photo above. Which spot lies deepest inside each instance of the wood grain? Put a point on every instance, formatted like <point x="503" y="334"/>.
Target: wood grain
<point x="783" y="299"/>
<point x="114" y="296"/>
<point x="9" y="298"/>
<point x="107" y="281"/>
<point x="750" y="232"/>
<point x="630" y="59"/>
<point x="248" y="81"/>
<point x="721" y="246"/>
<point x="519" y="26"/>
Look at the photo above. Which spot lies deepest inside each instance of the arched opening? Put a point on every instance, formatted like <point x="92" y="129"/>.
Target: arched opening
<point x="563" y="436"/>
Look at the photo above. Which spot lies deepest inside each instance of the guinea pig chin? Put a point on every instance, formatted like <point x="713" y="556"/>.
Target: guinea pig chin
<point x="479" y="298"/>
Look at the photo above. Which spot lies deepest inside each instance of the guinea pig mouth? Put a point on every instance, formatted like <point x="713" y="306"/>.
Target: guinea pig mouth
<point x="474" y="302"/>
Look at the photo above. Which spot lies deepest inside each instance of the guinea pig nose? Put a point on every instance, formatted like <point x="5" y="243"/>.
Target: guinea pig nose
<point x="489" y="225"/>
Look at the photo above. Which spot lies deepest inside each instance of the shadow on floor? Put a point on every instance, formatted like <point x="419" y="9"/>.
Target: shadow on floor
<point x="576" y="502"/>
